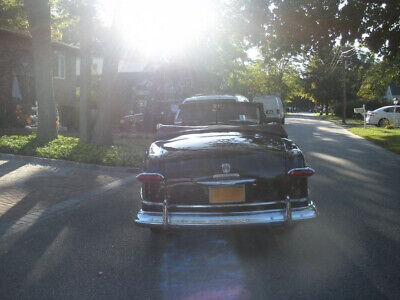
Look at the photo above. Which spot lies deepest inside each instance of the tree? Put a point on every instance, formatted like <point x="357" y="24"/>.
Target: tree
<point x="326" y="79"/>
<point x="86" y="32"/>
<point x="12" y="14"/>
<point x="300" y="26"/>
<point x="38" y="13"/>
<point x="104" y="120"/>
<point x="378" y="78"/>
<point x="322" y="81"/>
<point x="375" y="23"/>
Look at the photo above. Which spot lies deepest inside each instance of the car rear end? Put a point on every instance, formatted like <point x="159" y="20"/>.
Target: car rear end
<point x="226" y="190"/>
<point x="372" y="117"/>
<point x="273" y="108"/>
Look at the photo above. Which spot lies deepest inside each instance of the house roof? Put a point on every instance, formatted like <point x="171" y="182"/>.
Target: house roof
<point x="394" y="88"/>
<point x="26" y="35"/>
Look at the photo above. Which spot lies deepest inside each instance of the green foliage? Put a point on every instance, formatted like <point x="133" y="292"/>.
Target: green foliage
<point x="304" y="26"/>
<point x="323" y="78"/>
<point x="387" y="138"/>
<point x="63" y="19"/>
<point x="378" y="78"/>
<point x="12" y="14"/>
<point x="261" y="78"/>
<point x="124" y="153"/>
<point x="390" y="127"/>
<point x="375" y="23"/>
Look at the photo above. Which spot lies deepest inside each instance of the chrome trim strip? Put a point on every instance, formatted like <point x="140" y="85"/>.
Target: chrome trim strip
<point x="150" y="174"/>
<point x="229" y="175"/>
<point x="223" y="205"/>
<point x="226" y="182"/>
<point x="213" y="205"/>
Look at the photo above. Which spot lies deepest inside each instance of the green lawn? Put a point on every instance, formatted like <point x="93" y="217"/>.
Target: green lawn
<point x="338" y="120"/>
<point x="124" y="152"/>
<point x="328" y="117"/>
<point x="387" y="138"/>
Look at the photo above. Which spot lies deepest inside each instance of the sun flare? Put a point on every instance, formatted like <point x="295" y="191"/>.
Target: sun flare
<point x="159" y="27"/>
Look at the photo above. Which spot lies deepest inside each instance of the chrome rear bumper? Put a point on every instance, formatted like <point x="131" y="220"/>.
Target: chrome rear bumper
<point x="169" y="219"/>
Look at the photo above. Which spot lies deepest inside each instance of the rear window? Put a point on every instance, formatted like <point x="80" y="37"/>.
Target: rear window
<point x="389" y="109"/>
<point x="218" y="113"/>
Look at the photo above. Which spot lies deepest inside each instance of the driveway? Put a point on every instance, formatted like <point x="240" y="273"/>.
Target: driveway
<point x="82" y="244"/>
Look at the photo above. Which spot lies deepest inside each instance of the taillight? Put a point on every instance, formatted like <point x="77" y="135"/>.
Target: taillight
<point x="150" y="177"/>
<point x="370" y="113"/>
<point x="278" y="111"/>
<point x="301" y="172"/>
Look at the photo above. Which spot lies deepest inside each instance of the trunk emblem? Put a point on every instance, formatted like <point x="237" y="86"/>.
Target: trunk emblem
<point x="226" y="168"/>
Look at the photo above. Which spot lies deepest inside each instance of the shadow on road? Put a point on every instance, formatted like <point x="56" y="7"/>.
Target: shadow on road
<point x="350" y="251"/>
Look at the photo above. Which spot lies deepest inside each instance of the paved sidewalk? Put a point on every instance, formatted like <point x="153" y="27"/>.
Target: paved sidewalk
<point x="30" y="192"/>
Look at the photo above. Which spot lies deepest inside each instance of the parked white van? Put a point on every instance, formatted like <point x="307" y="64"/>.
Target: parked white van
<point x="273" y="108"/>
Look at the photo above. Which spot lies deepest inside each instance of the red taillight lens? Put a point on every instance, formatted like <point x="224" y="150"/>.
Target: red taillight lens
<point x="150" y="177"/>
<point x="278" y="111"/>
<point x="301" y="172"/>
<point x="370" y="113"/>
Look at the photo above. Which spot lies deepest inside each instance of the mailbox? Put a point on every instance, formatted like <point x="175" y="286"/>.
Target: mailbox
<point x="359" y="110"/>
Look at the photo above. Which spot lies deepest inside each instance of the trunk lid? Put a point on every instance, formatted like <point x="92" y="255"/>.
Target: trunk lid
<point x="251" y="155"/>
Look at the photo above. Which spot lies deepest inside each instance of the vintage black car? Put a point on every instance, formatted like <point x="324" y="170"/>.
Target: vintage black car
<point x="222" y="165"/>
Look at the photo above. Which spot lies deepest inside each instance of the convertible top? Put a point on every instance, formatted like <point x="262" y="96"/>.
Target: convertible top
<point x="171" y="131"/>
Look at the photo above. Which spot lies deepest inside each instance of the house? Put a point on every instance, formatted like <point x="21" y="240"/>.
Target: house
<point x="392" y="91"/>
<point x="17" y="81"/>
<point x="157" y="81"/>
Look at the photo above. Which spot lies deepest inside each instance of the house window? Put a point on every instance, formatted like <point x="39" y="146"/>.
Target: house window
<point x="59" y="66"/>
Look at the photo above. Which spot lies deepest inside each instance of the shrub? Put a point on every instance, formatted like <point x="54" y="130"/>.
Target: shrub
<point x="390" y="127"/>
<point x="349" y="108"/>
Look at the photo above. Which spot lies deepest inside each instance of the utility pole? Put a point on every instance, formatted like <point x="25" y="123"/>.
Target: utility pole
<point x="344" y="91"/>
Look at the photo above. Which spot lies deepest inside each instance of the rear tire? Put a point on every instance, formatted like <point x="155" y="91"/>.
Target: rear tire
<point x="383" y="122"/>
<point x="283" y="121"/>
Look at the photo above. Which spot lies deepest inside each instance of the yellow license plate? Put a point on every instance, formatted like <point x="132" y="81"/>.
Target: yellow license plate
<point x="227" y="194"/>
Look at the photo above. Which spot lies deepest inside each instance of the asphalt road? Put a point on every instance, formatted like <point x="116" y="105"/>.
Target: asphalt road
<point x="351" y="251"/>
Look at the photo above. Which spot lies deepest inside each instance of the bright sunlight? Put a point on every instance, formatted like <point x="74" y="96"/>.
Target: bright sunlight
<point x="161" y="27"/>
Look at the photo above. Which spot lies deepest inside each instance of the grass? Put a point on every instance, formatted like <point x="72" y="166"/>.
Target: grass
<point x="328" y="117"/>
<point x="124" y="152"/>
<point x="338" y="120"/>
<point x="387" y="138"/>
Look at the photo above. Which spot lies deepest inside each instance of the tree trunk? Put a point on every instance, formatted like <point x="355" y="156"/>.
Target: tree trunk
<point x="38" y="13"/>
<point x="104" y="120"/>
<point x="86" y="30"/>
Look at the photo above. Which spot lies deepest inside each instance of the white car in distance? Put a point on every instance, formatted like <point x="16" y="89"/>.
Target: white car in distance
<point x="384" y="116"/>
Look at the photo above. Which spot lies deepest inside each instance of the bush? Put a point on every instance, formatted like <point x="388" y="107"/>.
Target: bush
<point x="369" y="105"/>
<point x="349" y="108"/>
<point x="374" y="104"/>
<point x="390" y="127"/>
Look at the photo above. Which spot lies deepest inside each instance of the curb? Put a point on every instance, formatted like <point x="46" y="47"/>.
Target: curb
<point x="67" y="163"/>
